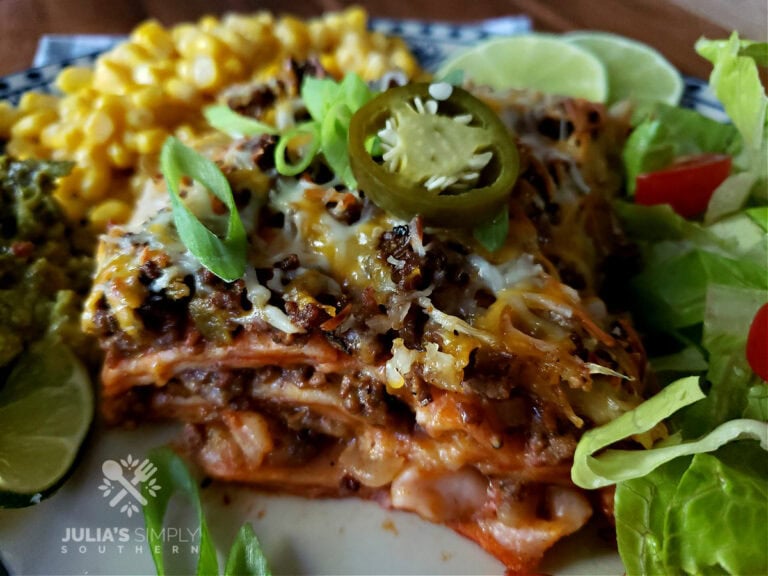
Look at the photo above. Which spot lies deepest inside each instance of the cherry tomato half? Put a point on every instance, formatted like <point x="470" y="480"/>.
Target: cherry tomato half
<point x="757" y="343"/>
<point x="687" y="185"/>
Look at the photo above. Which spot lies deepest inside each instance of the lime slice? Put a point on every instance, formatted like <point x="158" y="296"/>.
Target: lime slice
<point x="46" y="408"/>
<point x="534" y="61"/>
<point x="635" y="70"/>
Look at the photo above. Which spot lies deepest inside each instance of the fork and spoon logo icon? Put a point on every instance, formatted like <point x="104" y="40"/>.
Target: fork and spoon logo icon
<point x="116" y="480"/>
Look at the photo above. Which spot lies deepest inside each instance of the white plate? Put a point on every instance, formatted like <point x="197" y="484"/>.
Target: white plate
<point x="299" y="536"/>
<point x="77" y="531"/>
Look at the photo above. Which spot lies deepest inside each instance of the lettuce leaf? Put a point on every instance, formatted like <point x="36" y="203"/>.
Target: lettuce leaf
<point x="664" y="520"/>
<point x="671" y="291"/>
<point x="757" y="402"/>
<point x="730" y="486"/>
<point x="615" y="465"/>
<point x="728" y="311"/>
<point x="736" y="82"/>
<point x="640" y="508"/>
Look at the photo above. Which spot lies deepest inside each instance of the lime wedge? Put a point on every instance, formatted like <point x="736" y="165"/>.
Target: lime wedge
<point x="635" y="70"/>
<point x="46" y="408"/>
<point x="534" y="61"/>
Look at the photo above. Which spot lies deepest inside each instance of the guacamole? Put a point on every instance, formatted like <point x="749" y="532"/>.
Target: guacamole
<point x="45" y="261"/>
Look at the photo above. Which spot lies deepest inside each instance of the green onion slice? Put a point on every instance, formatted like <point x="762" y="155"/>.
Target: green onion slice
<point x="282" y="165"/>
<point x="227" y="120"/>
<point x="226" y="258"/>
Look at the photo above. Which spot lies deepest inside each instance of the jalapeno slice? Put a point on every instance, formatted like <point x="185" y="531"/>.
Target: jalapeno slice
<point x="446" y="155"/>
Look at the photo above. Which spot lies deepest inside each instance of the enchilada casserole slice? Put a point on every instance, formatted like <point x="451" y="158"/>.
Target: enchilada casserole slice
<point x="365" y="355"/>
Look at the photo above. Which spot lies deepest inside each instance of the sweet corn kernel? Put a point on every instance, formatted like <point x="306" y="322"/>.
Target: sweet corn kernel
<point x="321" y="36"/>
<point x="183" y="37"/>
<point x="98" y="128"/>
<point x="129" y="54"/>
<point x="109" y="212"/>
<point x="206" y="73"/>
<point x="147" y="97"/>
<point x="355" y="18"/>
<point x="146" y="75"/>
<point x="113" y="106"/>
<point x="95" y="182"/>
<point x="31" y="125"/>
<point x="235" y="42"/>
<point x="139" y="118"/>
<point x="74" y="207"/>
<point x="334" y="22"/>
<point x="184" y="70"/>
<point x="111" y="78"/>
<point x="67" y="192"/>
<point x="233" y="68"/>
<point x="86" y="156"/>
<point x="74" y="108"/>
<point x="208" y="23"/>
<point x="294" y="36"/>
<point x="252" y="28"/>
<point x="8" y="115"/>
<point x="181" y="90"/>
<point x="155" y="39"/>
<point x="150" y="141"/>
<point x="74" y="79"/>
<point x="404" y="60"/>
<point x="69" y="185"/>
<point x="209" y="45"/>
<point x="61" y="136"/>
<point x="25" y="149"/>
<point x="329" y="62"/>
<point x="348" y="58"/>
<point x="34" y="101"/>
<point x="375" y="66"/>
<point x="120" y="156"/>
<point x="186" y="133"/>
<point x="378" y="41"/>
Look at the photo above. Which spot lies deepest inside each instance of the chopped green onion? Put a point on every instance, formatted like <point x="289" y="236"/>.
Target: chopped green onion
<point x="225" y="258"/>
<point x="373" y="146"/>
<point x="172" y="476"/>
<point x="245" y="558"/>
<point x="333" y="138"/>
<point x="493" y="235"/>
<point x="331" y="105"/>
<point x="318" y="95"/>
<point x="287" y="169"/>
<point x="227" y="120"/>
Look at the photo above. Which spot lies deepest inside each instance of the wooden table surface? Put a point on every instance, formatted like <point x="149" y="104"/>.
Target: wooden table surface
<point x="672" y="26"/>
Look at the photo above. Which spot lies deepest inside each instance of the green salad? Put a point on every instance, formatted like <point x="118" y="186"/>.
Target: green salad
<point x="697" y="205"/>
